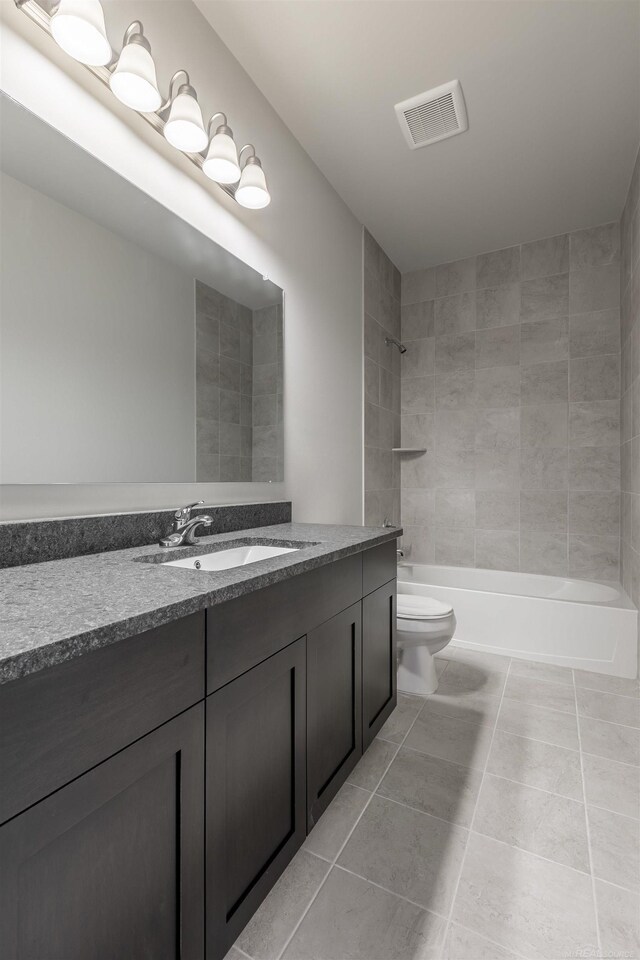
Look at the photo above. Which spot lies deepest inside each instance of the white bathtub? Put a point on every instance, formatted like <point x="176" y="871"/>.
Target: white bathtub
<point x="572" y="623"/>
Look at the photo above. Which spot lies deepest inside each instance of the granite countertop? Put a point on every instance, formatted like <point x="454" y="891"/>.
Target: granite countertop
<point x="54" y="611"/>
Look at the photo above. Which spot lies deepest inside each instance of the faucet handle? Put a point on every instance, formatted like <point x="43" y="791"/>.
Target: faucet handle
<point x="183" y="514"/>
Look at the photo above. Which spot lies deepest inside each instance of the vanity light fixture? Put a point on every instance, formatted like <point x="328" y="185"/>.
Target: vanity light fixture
<point x="133" y="80"/>
<point x="184" y="128"/>
<point x="221" y="162"/>
<point x="252" y="190"/>
<point x="78" y="27"/>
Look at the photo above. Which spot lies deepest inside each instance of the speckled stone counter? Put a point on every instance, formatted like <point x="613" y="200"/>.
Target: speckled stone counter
<point x="54" y="611"/>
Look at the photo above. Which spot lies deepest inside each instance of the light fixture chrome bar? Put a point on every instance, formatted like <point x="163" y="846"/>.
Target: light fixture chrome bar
<point x="37" y="13"/>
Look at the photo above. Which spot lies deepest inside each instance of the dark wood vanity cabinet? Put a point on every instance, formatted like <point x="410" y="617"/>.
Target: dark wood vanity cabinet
<point x="334" y="685"/>
<point x="255" y="789"/>
<point x="111" y="865"/>
<point x="153" y="791"/>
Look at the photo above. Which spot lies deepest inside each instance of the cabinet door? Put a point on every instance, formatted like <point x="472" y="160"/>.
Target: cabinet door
<point x="379" y="659"/>
<point x="334" y="690"/>
<point x="256" y="790"/>
<point x="112" y="864"/>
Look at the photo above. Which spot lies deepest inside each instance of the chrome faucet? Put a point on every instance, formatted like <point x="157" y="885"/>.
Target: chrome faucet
<point x="184" y="526"/>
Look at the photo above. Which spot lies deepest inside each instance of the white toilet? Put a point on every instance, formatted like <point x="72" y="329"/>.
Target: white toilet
<point x="425" y="626"/>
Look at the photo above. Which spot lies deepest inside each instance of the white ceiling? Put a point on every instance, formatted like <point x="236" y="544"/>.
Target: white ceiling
<point x="552" y="90"/>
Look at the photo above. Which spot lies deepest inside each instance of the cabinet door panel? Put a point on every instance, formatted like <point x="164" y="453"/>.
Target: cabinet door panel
<point x="256" y="792"/>
<point x="379" y="659"/>
<point x="112" y="865"/>
<point x="334" y="688"/>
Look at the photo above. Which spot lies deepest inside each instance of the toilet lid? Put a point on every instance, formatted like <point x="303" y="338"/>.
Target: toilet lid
<point x="411" y="607"/>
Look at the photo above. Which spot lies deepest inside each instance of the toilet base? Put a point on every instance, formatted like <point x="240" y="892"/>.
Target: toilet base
<point x="417" y="671"/>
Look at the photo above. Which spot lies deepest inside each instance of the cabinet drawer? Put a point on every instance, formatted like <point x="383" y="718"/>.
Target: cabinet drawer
<point x="242" y="633"/>
<point x="59" y="722"/>
<point x="379" y="565"/>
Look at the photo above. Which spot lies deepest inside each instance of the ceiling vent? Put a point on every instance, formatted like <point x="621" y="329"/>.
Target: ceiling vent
<point x="434" y="115"/>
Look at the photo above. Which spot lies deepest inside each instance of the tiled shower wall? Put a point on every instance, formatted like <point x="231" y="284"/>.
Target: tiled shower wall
<point x="630" y="404"/>
<point x="511" y="381"/>
<point x="381" y="385"/>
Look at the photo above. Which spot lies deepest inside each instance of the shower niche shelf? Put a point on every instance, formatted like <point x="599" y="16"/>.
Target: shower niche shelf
<point x="408" y="449"/>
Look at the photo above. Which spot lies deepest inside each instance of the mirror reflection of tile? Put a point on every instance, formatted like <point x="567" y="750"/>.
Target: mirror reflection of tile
<point x="239" y="389"/>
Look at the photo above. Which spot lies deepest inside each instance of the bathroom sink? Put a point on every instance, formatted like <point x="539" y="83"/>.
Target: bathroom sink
<point x="226" y="559"/>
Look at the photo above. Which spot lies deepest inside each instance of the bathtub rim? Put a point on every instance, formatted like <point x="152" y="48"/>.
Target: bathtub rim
<point x="624" y="602"/>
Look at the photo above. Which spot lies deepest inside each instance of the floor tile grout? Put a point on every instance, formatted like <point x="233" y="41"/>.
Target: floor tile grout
<point x="475" y="807"/>
<point x="394" y="893"/>
<point x="348" y="837"/>
<point x="493" y="943"/>
<point x="483" y="769"/>
<point x="588" y="833"/>
<point x="407" y="806"/>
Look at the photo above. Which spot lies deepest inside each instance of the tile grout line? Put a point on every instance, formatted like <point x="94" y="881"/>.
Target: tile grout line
<point x="475" y="807"/>
<point x="588" y="831"/>
<point x="550" y="743"/>
<point x="348" y="837"/>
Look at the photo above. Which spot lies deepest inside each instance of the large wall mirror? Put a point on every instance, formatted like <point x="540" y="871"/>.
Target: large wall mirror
<point x="132" y="347"/>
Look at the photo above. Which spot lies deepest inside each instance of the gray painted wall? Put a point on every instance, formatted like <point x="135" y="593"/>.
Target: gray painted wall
<point x="381" y="385"/>
<point x="512" y="381"/>
<point x="97" y="358"/>
<point x="630" y="403"/>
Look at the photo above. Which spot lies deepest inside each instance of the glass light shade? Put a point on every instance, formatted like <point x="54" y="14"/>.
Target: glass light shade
<point x="134" y="80"/>
<point x="221" y="163"/>
<point x="252" y="190"/>
<point x="78" y="27"/>
<point x="184" y="129"/>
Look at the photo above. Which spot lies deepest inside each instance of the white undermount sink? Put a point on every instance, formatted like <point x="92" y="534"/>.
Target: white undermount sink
<point x="226" y="559"/>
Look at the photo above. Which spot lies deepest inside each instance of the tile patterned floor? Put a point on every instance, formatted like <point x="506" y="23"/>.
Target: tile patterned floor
<point x="497" y="819"/>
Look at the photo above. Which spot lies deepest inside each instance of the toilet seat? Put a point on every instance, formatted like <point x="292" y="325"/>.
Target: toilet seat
<point x="412" y="607"/>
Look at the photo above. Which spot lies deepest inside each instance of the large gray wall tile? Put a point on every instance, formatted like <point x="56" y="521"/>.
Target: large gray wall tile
<point x="544" y="425"/>
<point x="497" y="549"/>
<point x="545" y="298"/>
<point x="544" y="341"/>
<point x="455" y="314"/>
<point x="545" y="258"/>
<point x="543" y="511"/>
<point x="418" y="285"/>
<point x="594" y="557"/>
<point x="594" y="334"/>
<point x="595" y="246"/>
<point x="417" y="321"/>
<point x="498" y="346"/>
<point x="595" y="288"/>
<point x="594" y="378"/>
<point x="498" y="267"/>
<point x="455" y="352"/>
<point x="594" y="513"/>
<point x="498" y="307"/>
<point x="497" y="387"/>
<point x="456" y="277"/>
<point x="497" y="510"/>
<point x="543" y="553"/>
<point x="595" y="424"/>
<point x="545" y="382"/>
